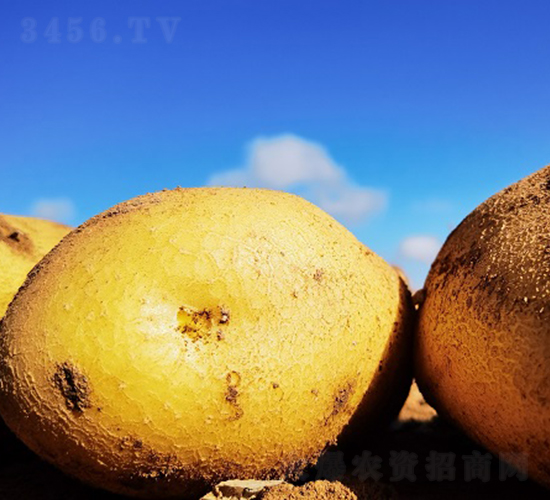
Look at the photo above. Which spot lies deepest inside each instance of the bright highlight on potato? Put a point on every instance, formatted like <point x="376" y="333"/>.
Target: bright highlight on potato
<point x="195" y="335"/>
<point x="483" y="343"/>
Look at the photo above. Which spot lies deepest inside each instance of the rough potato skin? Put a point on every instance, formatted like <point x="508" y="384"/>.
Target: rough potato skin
<point x="195" y="335"/>
<point x="23" y="242"/>
<point x="483" y="342"/>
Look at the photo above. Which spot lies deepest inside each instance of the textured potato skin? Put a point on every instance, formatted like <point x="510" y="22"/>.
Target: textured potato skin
<point x="195" y="335"/>
<point x="23" y="242"/>
<point x="482" y="353"/>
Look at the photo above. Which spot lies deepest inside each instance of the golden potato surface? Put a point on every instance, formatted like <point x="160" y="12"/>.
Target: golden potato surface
<point x="195" y="335"/>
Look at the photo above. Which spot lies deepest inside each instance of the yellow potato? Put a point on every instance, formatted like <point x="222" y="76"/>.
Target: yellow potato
<point x="483" y="340"/>
<point x="191" y="336"/>
<point x="23" y="242"/>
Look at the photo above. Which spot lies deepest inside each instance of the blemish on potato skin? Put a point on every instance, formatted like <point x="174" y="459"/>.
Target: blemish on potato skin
<point x="18" y="241"/>
<point x="318" y="275"/>
<point x="341" y="399"/>
<point x="129" y="442"/>
<point x="366" y="251"/>
<point x="231" y="395"/>
<point x="202" y="324"/>
<point x="233" y="380"/>
<point x="224" y="316"/>
<point x="74" y="387"/>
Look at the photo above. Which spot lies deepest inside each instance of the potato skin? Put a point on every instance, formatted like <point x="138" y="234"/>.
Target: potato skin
<point x="195" y="335"/>
<point x="23" y="242"/>
<point x="482" y="353"/>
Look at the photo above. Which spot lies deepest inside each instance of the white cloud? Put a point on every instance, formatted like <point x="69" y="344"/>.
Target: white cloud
<point x="352" y="203"/>
<point x="290" y="163"/>
<point x="421" y="248"/>
<point x="56" y="209"/>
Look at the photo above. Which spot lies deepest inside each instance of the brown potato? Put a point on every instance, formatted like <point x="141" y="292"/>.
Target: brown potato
<point x="483" y="339"/>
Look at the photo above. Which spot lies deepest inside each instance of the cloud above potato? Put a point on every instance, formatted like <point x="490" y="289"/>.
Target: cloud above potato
<point x="420" y="248"/>
<point x="291" y="163"/>
<point x="56" y="209"/>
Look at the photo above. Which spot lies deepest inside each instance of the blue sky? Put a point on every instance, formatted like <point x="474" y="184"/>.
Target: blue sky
<point x="416" y="111"/>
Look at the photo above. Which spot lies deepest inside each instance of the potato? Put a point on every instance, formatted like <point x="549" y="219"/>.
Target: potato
<point x="483" y="339"/>
<point x="195" y="335"/>
<point x="23" y="242"/>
